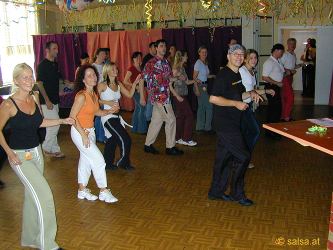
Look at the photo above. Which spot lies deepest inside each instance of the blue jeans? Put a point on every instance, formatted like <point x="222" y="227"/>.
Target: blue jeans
<point x="139" y="121"/>
<point x="250" y="128"/>
<point x="204" y="112"/>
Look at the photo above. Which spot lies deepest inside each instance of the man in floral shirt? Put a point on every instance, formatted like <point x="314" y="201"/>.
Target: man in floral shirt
<point x="158" y="74"/>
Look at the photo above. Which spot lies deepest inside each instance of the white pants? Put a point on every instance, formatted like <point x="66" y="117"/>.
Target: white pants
<point x="91" y="159"/>
<point x="51" y="142"/>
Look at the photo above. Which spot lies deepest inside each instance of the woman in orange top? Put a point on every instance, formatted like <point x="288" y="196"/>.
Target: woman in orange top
<point x="84" y="109"/>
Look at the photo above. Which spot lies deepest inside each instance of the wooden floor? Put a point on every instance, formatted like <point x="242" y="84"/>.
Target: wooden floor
<point x="163" y="204"/>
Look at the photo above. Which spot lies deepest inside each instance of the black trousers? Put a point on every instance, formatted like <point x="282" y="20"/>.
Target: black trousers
<point x="310" y="78"/>
<point x="119" y="137"/>
<point x="304" y="81"/>
<point x="3" y="157"/>
<point x="231" y="162"/>
<point x="274" y="104"/>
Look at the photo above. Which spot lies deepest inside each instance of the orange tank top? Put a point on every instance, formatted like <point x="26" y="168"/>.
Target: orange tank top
<point x="87" y="113"/>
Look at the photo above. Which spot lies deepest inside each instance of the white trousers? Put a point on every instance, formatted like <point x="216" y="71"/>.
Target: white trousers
<point x="91" y="159"/>
<point x="51" y="142"/>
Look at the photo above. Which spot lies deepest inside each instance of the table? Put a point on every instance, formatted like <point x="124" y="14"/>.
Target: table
<point x="297" y="131"/>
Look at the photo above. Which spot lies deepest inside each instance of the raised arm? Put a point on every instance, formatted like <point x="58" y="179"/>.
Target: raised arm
<point x="130" y="93"/>
<point x="127" y="79"/>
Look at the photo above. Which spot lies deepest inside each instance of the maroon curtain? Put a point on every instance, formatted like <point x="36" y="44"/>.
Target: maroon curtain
<point x="71" y="47"/>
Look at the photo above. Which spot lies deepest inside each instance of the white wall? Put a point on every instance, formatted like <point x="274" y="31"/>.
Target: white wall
<point x="324" y="64"/>
<point x="247" y="32"/>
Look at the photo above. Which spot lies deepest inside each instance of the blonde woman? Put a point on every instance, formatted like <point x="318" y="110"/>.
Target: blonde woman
<point x="200" y="76"/>
<point x="85" y="108"/>
<point x="110" y="92"/>
<point x="249" y="125"/>
<point x="183" y="112"/>
<point x="22" y="112"/>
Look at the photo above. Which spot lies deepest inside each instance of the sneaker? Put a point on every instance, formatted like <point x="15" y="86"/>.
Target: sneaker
<point x="246" y="202"/>
<point x="190" y="143"/>
<point x="251" y="165"/>
<point x="106" y="196"/>
<point x="180" y="141"/>
<point x="223" y="197"/>
<point x="86" y="194"/>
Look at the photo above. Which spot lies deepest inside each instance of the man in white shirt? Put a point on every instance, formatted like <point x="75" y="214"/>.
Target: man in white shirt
<point x="272" y="74"/>
<point x="100" y="57"/>
<point x="288" y="61"/>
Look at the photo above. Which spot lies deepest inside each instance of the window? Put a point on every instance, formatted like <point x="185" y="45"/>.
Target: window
<point x="17" y="23"/>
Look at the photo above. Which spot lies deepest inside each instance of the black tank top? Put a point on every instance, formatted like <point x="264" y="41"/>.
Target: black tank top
<point x="24" y="128"/>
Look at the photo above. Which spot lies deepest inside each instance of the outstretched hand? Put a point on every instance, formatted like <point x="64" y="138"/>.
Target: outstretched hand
<point x="255" y="97"/>
<point x="68" y="121"/>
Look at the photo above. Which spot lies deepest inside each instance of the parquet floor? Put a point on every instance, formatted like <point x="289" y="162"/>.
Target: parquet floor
<point x="163" y="204"/>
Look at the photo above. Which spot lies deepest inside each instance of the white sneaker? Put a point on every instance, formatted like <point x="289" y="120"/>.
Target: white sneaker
<point x="86" y="194"/>
<point x="251" y="165"/>
<point x="106" y="196"/>
<point x="180" y="141"/>
<point x="190" y="143"/>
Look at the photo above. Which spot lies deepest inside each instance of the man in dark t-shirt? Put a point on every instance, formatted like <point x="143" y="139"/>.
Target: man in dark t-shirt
<point x="150" y="55"/>
<point x="232" y="154"/>
<point x="48" y="76"/>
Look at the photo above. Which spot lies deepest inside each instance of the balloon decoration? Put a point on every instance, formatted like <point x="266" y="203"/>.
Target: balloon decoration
<point x="72" y="5"/>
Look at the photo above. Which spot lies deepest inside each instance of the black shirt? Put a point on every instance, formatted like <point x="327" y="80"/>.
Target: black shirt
<point x="48" y="73"/>
<point x="24" y="128"/>
<point x="228" y="84"/>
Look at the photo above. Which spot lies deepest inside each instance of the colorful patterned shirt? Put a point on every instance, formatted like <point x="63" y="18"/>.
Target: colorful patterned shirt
<point x="157" y="73"/>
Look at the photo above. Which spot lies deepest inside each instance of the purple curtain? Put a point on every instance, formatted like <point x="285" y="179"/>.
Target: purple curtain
<point x="71" y="46"/>
<point x="190" y="39"/>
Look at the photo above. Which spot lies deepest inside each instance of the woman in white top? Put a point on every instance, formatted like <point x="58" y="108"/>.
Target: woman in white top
<point x="110" y="91"/>
<point x="249" y="124"/>
<point x="200" y="76"/>
<point x="100" y="57"/>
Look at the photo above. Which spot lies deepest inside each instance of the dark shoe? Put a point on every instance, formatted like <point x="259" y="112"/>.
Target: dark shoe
<point x="174" y="151"/>
<point x="60" y="248"/>
<point x="128" y="168"/>
<point x="111" y="167"/>
<point x="210" y="132"/>
<point x="223" y="197"/>
<point x="245" y="202"/>
<point x="150" y="149"/>
<point x="2" y="184"/>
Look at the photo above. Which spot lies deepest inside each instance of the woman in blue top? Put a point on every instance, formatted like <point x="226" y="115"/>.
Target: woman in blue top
<point x="200" y="76"/>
